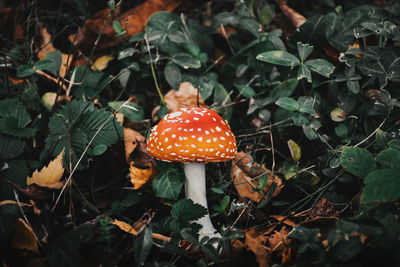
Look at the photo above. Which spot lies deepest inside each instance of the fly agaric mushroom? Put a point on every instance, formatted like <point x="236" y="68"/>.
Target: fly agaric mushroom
<point x="193" y="136"/>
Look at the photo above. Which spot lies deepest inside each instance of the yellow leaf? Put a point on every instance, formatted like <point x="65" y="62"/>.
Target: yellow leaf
<point x="24" y="238"/>
<point x="140" y="177"/>
<point x="295" y="150"/>
<point x="48" y="175"/>
<point x="125" y="227"/>
<point x="101" y="63"/>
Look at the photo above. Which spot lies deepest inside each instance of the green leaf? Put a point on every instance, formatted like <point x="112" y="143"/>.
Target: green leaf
<point x="288" y="103"/>
<point x="381" y="186"/>
<point x="185" y="210"/>
<point x="132" y="111"/>
<point x="72" y="127"/>
<point x="15" y="108"/>
<point x="285" y="88"/>
<point x="142" y="245"/>
<point x="52" y="63"/>
<point x="389" y="158"/>
<point x="279" y="58"/>
<point x="246" y="91"/>
<point x="304" y="72"/>
<point x="304" y="50"/>
<point x="10" y="147"/>
<point x="357" y="161"/>
<point x="98" y="150"/>
<point x="9" y="125"/>
<point x="394" y="144"/>
<point x="118" y="28"/>
<point x="320" y="66"/>
<point x="25" y="71"/>
<point x="172" y="74"/>
<point x="186" y="61"/>
<point x="168" y="184"/>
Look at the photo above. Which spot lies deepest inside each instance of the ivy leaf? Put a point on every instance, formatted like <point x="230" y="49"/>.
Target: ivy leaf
<point x="279" y="58"/>
<point x="142" y="245"/>
<point x="288" y="103"/>
<point x="186" y="210"/>
<point x="320" y="66"/>
<point x="381" y="186"/>
<point x="25" y="71"/>
<point x="168" y="184"/>
<point x="172" y="74"/>
<point x="186" y="61"/>
<point x="357" y="161"/>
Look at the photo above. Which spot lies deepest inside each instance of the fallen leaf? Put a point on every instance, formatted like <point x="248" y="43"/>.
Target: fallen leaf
<point x="142" y="168"/>
<point x="284" y="220"/>
<point x="50" y="98"/>
<point x="46" y="47"/>
<point x="295" y="150"/>
<point x="323" y="208"/>
<point x="296" y="18"/>
<point x="125" y="227"/>
<point x="355" y="45"/>
<point x="13" y="202"/>
<point x="101" y="63"/>
<point x="50" y="175"/>
<point x="24" y="238"/>
<point x="281" y="245"/>
<point x="130" y="229"/>
<point x="133" y="21"/>
<point x="131" y="138"/>
<point x="186" y="96"/>
<point x="255" y="241"/>
<point x="244" y="169"/>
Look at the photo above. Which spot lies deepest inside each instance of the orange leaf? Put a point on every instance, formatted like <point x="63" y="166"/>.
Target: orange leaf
<point x="24" y="237"/>
<point x="50" y="175"/>
<point x="243" y="172"/>
<point x="101" y="63"/>
<point x="125" y="227"/>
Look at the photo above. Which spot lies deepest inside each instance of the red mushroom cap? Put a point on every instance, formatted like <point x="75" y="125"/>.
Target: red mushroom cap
<point x="192" y="135"/>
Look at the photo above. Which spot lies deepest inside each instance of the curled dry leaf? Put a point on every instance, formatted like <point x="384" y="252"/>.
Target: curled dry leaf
<point x="281" y="245"/>
<point x="141" y="166"/>
<point x="133" y="21"/>
<point x="13" y="202"/>
<point x="255" y="241"/>
<point x="50" y="175"/>
<point x="24" y="237"/>
<point x="130" y="229"/>
<point x="101" y="63"/>
<point x="296" y="18"/>
<point x="186" y="96"/>
<point x="244" y="169"/>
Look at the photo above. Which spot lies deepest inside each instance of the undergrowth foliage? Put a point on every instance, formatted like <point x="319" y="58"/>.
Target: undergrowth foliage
<point x="317" y="105"/>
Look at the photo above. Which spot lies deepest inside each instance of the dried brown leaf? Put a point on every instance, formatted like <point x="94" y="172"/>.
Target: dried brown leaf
<point x="142" y="168"/>
<point x="186" y="96"/>
<point x="24" y="238"/>
<point x="133" y="21"/>
<point x="296" y="18"/>
<point x="47" y="47"/>
<point x="244" y="169"/>
<point x="255" y="241"/>
<point x="13" y="202"/>
<point x="130" y="229"/>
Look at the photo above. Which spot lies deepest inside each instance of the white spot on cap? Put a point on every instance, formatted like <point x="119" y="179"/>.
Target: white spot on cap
<point x="191" y="130"/>
<point x="199" y="129"/>
<point x="227" y="134"/>
<point x="222" y="138"/>
<point x="174" y="135"/>
<point x="222" y="146"/>
<point x="169" y="147"/>
<point x="172" y="153"/>
<point x="192" y="145"/>
<point x="200" y="139"/>
<point x="174" y="114"/>
<point x="218" y="129"/>
<point x="208" y="141"/>
<point x="214" y="119"/>
<point x="207" y="132"/>
<point x="215" y="139"/>
<point x="195" y="118"/>
<point x="166" y="139"/>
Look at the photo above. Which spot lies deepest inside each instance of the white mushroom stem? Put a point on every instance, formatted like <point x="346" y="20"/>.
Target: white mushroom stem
<point x="195" y="189"/>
